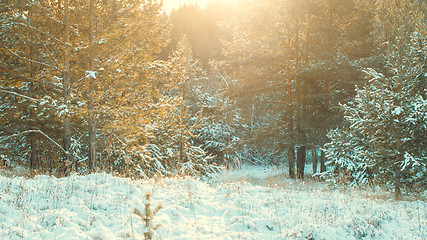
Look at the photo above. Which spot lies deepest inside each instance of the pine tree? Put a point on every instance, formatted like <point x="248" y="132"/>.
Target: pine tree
<point x="158" y="130"/>
<point x="291" y="72"/>
<point x="385" y="140"/>
<point x="185" y="116"/>
<point x="28" y="90"/>
<point x="77" y="53"/>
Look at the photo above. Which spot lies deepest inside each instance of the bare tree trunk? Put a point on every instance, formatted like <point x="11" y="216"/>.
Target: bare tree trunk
<point x="397" y="191"/>
<point x="291" y="161"/>
<point x="314" y="159"/>
<point x="322" y="161"/>
<point x="92" y="123"/>
<point x="32" y="136"/>
<point x="290" y="111"/>
<point x="307" y="46"/>
<point x="66" y="83"/>
<point x="301" y="154"/>
<point x="299" y="113"/>
<point x="92" y="138"/>
<point x="34" y="152"/>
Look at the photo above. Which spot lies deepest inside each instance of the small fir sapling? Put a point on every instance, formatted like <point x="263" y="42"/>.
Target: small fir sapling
<point x="148" y="216"/>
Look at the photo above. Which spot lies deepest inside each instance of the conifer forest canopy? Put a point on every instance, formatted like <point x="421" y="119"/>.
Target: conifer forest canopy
<point x="139" y="89"/>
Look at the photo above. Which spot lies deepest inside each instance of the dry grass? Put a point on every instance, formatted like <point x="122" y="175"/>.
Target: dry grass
<point x="310" y="183"/>
<point x="16" y="172"/>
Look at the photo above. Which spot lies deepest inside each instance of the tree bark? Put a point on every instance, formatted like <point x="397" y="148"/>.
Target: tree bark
<point x="397" y="191"/>
<point x="92" y="123"/>
<point x="291" y="161"/>
<point x="301" y="154"/>
<point x="322" y="161"/>
<point x="66" y="83"/>
<point x="32" y="136"/>
<point x="314" y="159"/>
<point x="34" y="152"/>
<point x="92" y="139"/>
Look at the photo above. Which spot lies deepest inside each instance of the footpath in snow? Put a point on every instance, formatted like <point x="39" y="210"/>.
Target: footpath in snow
<point x="253" y="203"/>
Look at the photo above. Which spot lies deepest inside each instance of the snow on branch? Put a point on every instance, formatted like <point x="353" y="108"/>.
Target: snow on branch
<point x="91" y="74"/>
<point x="121" y="141"/>
<point x="29" y="60"/>
<point x="41" y="133"/>
<point x="20" y="95"/>
<point x="43" y="32"/>
<point x="44" y="45"/>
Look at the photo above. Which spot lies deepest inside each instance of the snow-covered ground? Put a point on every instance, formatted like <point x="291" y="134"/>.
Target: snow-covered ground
<point x="250" y="203"/>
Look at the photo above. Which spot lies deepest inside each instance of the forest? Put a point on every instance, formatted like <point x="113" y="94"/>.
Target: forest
<point x="127" y="88"/>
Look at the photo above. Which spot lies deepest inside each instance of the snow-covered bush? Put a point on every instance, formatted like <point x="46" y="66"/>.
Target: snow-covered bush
<point x="385" y="141"/>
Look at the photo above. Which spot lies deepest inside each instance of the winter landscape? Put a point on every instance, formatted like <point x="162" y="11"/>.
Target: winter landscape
<point x="249" y="203"/>
<point x="213" y="119"/>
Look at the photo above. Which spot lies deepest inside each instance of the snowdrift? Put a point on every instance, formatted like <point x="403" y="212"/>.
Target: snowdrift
<point x="231" y="205"/>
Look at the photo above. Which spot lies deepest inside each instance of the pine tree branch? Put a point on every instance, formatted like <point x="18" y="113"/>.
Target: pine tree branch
<point x="279" y="102"/>
<point x="43" y="32"/>
<point x="335" y="85"/>
<point x="20" y="95"/>
<point x="77" y="31"/>
<point x="114" y="135"/>
<point x="43" y="134"/>
<point x="223" y="78"/>
<point x="44" y="45"/>
<point x="35" y="131"/>
<point x="30" y="60"/>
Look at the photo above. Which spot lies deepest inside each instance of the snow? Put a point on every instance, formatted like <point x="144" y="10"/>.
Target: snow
<point x="91" y="74"/>
<point x="397" y="111"/>
<point x="249" y="203"/>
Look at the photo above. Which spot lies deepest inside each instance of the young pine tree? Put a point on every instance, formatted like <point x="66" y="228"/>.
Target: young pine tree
<point x="386" y="138"/>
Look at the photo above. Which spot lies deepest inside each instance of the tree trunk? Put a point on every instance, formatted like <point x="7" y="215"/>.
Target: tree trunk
<point x="307" y="46"/>
<point x="92" y="123"/>
<point x="32" y="136"/>
<point x="314" y="159"/>
<point x="92" y="139"/>
<point x="34" y="152"/>
<point x="322" y="161"/>
<point x="65" y="84"/>
<point x="301" y="154"/>
<point x="291" y="161"/>
<point x="397" y="191"/>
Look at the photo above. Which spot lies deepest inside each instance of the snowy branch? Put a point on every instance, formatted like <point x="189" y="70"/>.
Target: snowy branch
<point x="335" y="85"/>
<point x="29" y="60"/>
<point x="45" y="33"/>
<point x="20" y="95"/>
<point x="35" y="131"/>
<point x="44" y="45"/>
<point x="40" y="132"/>
<point x="223" y="78"/>
<point x="114" y="135"/>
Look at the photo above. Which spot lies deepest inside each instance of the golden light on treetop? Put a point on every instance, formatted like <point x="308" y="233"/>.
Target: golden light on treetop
<point x="169" y="5"/>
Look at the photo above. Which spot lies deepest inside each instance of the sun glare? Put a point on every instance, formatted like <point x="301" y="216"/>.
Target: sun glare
<point x="170" y="5"/>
